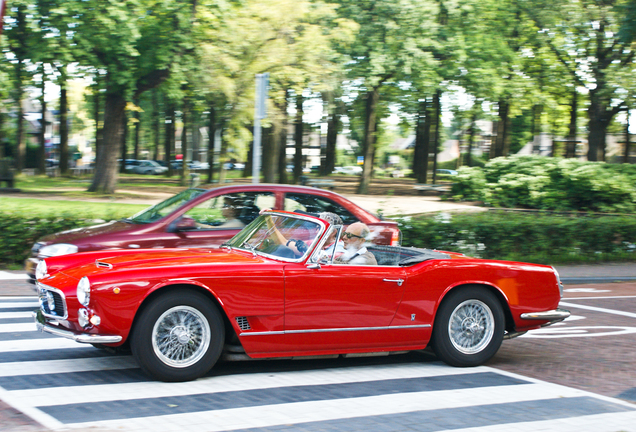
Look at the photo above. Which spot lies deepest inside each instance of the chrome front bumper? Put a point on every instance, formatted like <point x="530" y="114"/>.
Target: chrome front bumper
<point x="47" y="327"/>
<point x="553" y="316"/>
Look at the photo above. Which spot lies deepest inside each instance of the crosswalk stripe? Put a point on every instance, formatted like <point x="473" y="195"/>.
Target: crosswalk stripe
<point x="7" y="315"/>
<point x="303" y="412"/>
<point x="38" y="344"/>
<point x="49" y="367"/>
<point x="17" y="327"/>
<point x="312" y="399"/>
<point x="230" y="383"/>
<point x="9" y="305"/>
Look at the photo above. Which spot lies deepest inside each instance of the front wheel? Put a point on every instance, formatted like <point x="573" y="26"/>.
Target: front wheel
<point x="469" y="327"/>
<point x="178" y="337"/>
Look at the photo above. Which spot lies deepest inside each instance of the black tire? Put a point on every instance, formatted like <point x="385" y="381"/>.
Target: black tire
<point x="178" y="337"/>
<point x="469" y="327"/>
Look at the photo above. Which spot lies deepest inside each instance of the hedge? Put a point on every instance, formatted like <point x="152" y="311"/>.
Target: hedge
<point x="538" y="238"/>
<point x="19" y="232"/>
<point x="536" y="182"/>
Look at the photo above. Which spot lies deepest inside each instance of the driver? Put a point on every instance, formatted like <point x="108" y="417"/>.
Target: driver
<point x="229" y="212"/>
<point x="355" y="252"/>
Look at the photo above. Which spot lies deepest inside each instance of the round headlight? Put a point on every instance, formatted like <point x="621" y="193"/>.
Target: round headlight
<point x="57" y="249"/>
<point x="40" y="270"/>
<point x="84" y="291"/>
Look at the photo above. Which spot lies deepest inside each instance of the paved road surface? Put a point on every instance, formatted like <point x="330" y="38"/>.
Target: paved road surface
<point x="65" y="385"/>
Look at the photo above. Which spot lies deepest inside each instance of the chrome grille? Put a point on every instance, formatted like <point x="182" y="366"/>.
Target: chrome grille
<point x="243" y="323"/>
<point x="52" y="302"/>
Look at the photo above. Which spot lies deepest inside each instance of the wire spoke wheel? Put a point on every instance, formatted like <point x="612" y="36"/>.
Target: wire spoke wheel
<point x="471" y="326"/>
<point x="181" y="336"/>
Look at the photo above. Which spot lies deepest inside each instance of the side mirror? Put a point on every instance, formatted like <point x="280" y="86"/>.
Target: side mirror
<point x="184" y="223"/>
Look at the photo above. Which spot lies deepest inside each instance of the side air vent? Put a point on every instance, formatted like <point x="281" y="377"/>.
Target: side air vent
<point x="243" y="323"/>
<point x="100" y="264"/>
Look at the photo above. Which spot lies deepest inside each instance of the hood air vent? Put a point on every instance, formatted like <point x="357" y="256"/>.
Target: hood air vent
<point x="101" y="264"/>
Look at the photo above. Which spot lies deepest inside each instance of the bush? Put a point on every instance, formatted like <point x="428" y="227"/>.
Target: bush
<point x="537" y="237"/>
<point x="20" y="232"/>
<point x="536" y="182"/>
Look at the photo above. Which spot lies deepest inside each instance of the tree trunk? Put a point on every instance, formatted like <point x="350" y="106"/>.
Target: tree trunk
<point x="222" y="153"/>
<point x="99" y="132"/>
<point x="269" y="155"/>
<point x="369" y="139"/>
<point x="169" y="136"/>
<point x="627" y="140"/>
<point x="185" y="171"/>
<point x="597" y="128"/>
<point x="156" y="125"/>
<point x="2" y="152"/>
<point x="570" y="150"/>
<point x="20" y="143"/>
<point x="124" y="142"/>
<point x="328" y="162"/>
<point x="422" y="138"/>
<point x="64" y="122"/>
<point x="41" y="162"/>
<point x="298" y="139"/>
<point x="137" y="125"/>
<point x="437" y="104"/>
<point x="471" y="140"/>
<point x="282" y="140"/>
<point x="211" y="137"/>
<point x="105" y="177"/>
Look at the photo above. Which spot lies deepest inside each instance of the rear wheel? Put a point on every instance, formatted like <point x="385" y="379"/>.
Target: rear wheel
<point x="178" y="337"/>
<point x="469" y="327"/>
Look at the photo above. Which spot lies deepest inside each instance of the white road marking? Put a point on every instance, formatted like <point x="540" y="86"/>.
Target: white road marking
<point x="598" y="309"/>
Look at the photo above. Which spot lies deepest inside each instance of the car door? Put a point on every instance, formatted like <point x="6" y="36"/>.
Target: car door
<point x="339" y="306"/>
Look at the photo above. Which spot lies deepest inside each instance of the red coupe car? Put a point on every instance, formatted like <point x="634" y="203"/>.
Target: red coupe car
<point x="276" y="290"/>
<point x="200" y="218"/>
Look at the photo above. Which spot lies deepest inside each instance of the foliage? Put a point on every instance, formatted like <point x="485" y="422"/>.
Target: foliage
<point x="20" y="231"/>
<point x="550" y="184"/>
<point x="536" y="237"/>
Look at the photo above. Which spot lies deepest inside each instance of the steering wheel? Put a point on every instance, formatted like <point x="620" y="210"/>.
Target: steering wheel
<point x="300" y="245"/>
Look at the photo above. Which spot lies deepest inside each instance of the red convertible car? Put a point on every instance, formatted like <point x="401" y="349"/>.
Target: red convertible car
<point x="276" y="290"/>
<point x="206" y="218"/>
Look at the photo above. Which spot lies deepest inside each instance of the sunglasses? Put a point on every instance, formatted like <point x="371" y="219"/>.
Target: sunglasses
<point x="349" y="235"/>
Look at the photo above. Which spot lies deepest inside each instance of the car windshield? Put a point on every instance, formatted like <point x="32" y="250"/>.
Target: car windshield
<point x="164" y="208"/>
<point x="279" y="235"/>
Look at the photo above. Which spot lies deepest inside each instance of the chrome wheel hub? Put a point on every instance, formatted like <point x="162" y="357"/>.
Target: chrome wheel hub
<point x="471" y="326"/>
<point x="181" y="336"/>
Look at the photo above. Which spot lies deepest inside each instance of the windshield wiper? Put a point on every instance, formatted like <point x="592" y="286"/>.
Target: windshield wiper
<point x="251" y="248"/>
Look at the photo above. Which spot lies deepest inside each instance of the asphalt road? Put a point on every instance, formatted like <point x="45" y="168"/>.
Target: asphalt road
<point x="577" y="376"/>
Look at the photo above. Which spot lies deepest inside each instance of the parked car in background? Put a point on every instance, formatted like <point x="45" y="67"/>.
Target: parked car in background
<point x="180" y="310"/>
<point x="149" y="167"/>
<point x="349" y="170"/>
<point x="446" y="172"/>
<point x="198" y="218"/>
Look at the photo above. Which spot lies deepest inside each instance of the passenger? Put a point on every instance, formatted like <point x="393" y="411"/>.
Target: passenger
<point x="355" y="252"/>
<point x="229" y="212"/>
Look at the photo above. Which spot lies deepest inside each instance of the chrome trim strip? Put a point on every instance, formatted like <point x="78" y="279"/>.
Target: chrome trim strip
<point x="553" y="315"/>
<point x="45" y="327"/>
<point x="328" y="330"/>
<point x="50" y="288"/>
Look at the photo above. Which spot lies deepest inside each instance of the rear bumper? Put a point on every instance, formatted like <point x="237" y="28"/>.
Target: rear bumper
<point x="47" y="327"/>
<point x="553" y="316"/>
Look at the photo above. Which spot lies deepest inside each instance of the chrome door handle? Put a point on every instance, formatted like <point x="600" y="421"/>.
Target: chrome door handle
<point x="398" y="281"/>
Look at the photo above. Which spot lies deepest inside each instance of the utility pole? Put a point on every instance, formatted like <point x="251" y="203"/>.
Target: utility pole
<point x="260" y="112"/>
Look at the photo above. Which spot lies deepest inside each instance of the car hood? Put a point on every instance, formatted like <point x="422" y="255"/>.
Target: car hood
<point x="86" y="234"/>
<point x="146" y="260"/>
